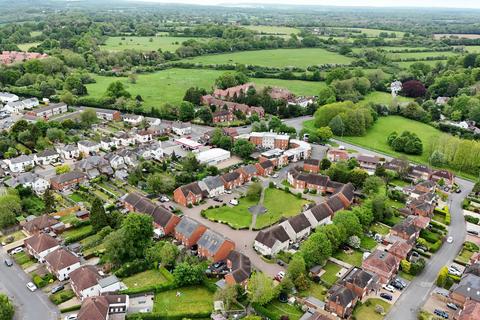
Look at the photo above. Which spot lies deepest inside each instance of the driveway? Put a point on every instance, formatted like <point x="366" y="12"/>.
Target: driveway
<point x="29" y="305"/>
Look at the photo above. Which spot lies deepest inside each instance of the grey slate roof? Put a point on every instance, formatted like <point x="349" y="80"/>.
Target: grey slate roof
<point x="321" y="211"/>
<point x="270" y="236"/>
<point x="241" y="266"/>
<point x="105" y="282"/>
<point x="231" y="176"/>
<point x="299" y="222"/>
<point x="69" y="176"/>
<point x="213" y="182"/>
<point x="341" y="295"/>
<point x="335" y="203"/>
<point x="47" y="153"/>
<point x="250" y="169"/>
<point x="469" y="286"/>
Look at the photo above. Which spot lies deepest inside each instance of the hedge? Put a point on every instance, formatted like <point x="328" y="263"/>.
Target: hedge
<point x="79" y="237"/>
<point x="62" y="296"/>
<point x="131" y="268"/>
<point x="72" y="308"/>
<point x="163" y="316"/>
<point x="434" y="247"/>
<point x="437" y="225"/>
<point x="151" y="288"/>
<point x="448" y="218"/>
<point x="41" y="282"/>
<point x="264" y="312"/>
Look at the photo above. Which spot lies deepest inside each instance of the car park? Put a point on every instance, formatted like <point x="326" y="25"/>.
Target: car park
<point x="389" y="288"/>
<point x="440" y="313"/>
<point x="386" y="296"/>
<point x="8" y="262"/>
<point x="31" y="286"/>
<point x="452" y="306"/>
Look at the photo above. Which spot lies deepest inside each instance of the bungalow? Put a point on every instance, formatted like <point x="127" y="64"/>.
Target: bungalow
<point x="29" y="179"/>
<point x="49" y="111"/>
<point x="468" y="289"/>
<point x="8" y="97"/>
<point x="271" y="241"/>
<point x="400" y="249"/>
<point x="240" y="269"/>
<point x="265" y="168"/>
<point x="213" y="246"/>
<point x="181" y="128"/>
<point x="20" y="163"/>
<point x="311" y="165"/>
<point x="383" y="264"/>
<point x="297" y="227"/>
<point x="31" y="103"/>
<point x="107" y="144"/>
<point x="319" y="215"/>
<point x="446" y="176"/>
<point x="231" y="180"/>
<point x="367" y="162"/>
<point x="188" y="194"/>
<point x="341" y="301"/>
<point x="40" y="245"/>
<point x="46" y="157"/>
<point x="38" y="224"/>
<point x="104" y="307"/>
<point x="67" y="180"/>
<point x="361" y="282"/>
<point x="88" y="147"/>
<point x="405" y="230"/>
<point x="133" y="119"/>
<point x="61" y="263"/>
<point x="397" y="165"/>
<point x="69" y="151"/>
<point x="247" y="172"/>
<point x="116" y="162"/>
<point x="214" y="186"/>
<point x="188" y="231"/>
<point x="337" y="155"/>
<point x="122" y="138"/>
<point x="222" y="116"/>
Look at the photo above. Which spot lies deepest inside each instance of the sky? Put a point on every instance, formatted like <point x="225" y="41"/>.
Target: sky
<point x="366" y="3"/>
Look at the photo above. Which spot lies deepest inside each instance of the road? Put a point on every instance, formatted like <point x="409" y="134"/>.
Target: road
<point x="28" y="305"/>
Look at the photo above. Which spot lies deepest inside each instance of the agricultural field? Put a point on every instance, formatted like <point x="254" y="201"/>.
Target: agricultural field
<point x="406" y="64"/>
<point x="472" y="49"/>
<point x="421" y="55"/>
<point x="165" y="43"/>
<point x="191" y="300"/>
<point x="274" y="30"/>
<point x="276" y="58"/>
<point x="389" y="48"/>
<point x="439" y="36"/>
<point x="169" y="86"/>
<point x="373" y="33"/>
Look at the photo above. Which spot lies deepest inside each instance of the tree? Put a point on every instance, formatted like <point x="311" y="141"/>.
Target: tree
<point x="116" y="90"/>
<point x="243" y="148"/>
<point x="254" y="191"/>
<point x="228" y="295"/>
<point x="372" y="185"/>
<point x="260" y="288"/>
<point x="205" y="115"/>
<point x="194" y="95"/>
<point x="98" y="216"/>
<point x="326" y="96"/>
<point x="324" y="134"/>
<point x="437" y="159"/>
<point x="49" y="201"/>
<point x="230" y="79"/>
<point x="7" y="309"/>
<point x="187" y="111"/>
<point x="334" y="235"/>
<point x="337" y="126"/>
<point x="316" y="249"/>
<point x="64" y="168"/>
<point x="354" y="242"/>
<point x="67" y="97"/>
<point x="296" y="267"/>
<point x="186" y="274"/>
<point x="325" y="164"/>
<point x="349" y="221"/>
<point x="442" y="277"/>
<point x="357" y="177"/>
<point x="414" y="89"/>
<point x="88" y="117"/>
<point x="162" y="252"/>
<point x="160" y="183"/>
<point x="55" y="135"/>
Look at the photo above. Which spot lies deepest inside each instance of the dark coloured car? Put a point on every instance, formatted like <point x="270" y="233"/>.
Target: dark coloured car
<point x="57" y="288"/>
<point x="441" y="313"/>
<point x="386" y="296"/>
<point x="397" y="285"/>
<point x="473" y="232"/>
<point x="452" y="306"/>
<point x="217" y="199"/>
<point x="281" y="263"/>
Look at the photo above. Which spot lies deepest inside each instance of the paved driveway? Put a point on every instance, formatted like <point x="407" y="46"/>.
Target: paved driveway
<point x="29" y="305"/>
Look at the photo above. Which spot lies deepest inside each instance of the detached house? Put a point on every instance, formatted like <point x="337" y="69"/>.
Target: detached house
<point x="468" y="289"/>
<point x="337" y="155"/>
<point x="181" y="128"/>
<point x="240" y="269"/>
<point x="265" y="168"/>
<point x="420" y="172"/>
<point x="143" y="136"/>
<point x="188" y="194"/>
<point x="445" y="175"/>
<point x="383" y="264"/>
<point x="67" y="180"/>
<point x="213" y="246"/>
<point x="40" y="245"/>
<point x="133" y="119"/>
<point x="367" y="162"/>
<point x="46" y="157"/>
<point x="124" y="139"/>
<point x="61" y="263"/>
<point x="104" y="307"/>
<point x="88" y="147"/>
<point x="271" y="241"/>
<point x="38" y="224"/>
<point x="341" y="301"/>
<point x="87" y="282"/>
<point x="20" y="163"/>
<point x="29" y="179"/>
<point x="68" y="151"/>
<point x="188" y="231"/>
<point x="361" y="282"/>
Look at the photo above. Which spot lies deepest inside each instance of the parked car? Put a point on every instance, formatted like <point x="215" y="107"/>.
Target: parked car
<point x="57" y="288"/>
<point x="217" y="199"/>
<point x="386" y="296"/>
<point x="454" y="272"/>
<point x="389" y="288"/>
<point x="280" y="276"/>
<point x="31" y="286"/>
<point x="450" y="239"/>
<point x="8" y="262"/>
<point x="16" y="250"/>
<point x="281" y="263"/>
<point x="441" y="313"/>
<point x="458" y="190"/>
<point x="397" y="285"/>
<point x="71" y="317"/>
<point x="402" y="282"/>
<point x="228" y="191"/>
<point x="275" y="175"/>
<point x="233" y="202"/>
<point x="452" y="306"/>
<point x="472" y="232"/>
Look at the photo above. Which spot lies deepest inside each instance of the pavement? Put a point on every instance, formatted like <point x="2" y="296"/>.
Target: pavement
<point x="28" y="305"/>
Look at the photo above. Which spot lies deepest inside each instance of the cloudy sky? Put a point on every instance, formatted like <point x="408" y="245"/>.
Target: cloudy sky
<point x="371" y="3"/>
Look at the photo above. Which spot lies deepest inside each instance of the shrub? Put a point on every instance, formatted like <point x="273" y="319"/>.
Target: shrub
<point x="470" y="246"/>
<point x="434" y="247"/>
<point x="131" y="268"/>
<point x="62" y="296"/>
<point x="69" y="309"/>
<point x="448" y="219"/>
<point x="41" y="282"/>
<point x="472" y="219"/>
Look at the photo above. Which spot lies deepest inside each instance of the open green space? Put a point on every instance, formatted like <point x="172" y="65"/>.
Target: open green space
<point x="353" y="258"/>
<point x="277" y="58"/>
<point x="298" y="87"/>
<point x="372" y="32"/>
<point x="145" y="43"/>
<point x="382" y="98"/>
<point x="278" y="310"/>
<point x="421" y="55"/>
<point x="145" y="278"/>
<point x="380" y="229"/>
<point x="235" y="216"/>
<point x="472" y="49"/>
<point x="275" y="30"/>
<point x="26" y="46"/>
<point x="77" y="197"/>
<point x="330" y="275"/>
<point x="367" y="309"/>
<point x="279" y="204"/>
<point x="406" y="64"/>
<point x="191" y="300"/>
<point x="315" y="290"/>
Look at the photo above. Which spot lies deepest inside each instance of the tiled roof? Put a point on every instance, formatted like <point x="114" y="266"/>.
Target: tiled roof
<point x="270" y="236"/>
<point x="40" y="223"/>
<point x="187" y="226"/>
<point x="299" y="222"/>
<point x="211" y="241"/>
<point x="85" y="277"/>
<point x="41" y="242"/>
<point x="341" y="295"/>
<point x="61" y="258"/>
<point x="321" y="211"/>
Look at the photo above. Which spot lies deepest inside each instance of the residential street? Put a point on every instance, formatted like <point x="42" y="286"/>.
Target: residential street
<point x="29" y="305"/>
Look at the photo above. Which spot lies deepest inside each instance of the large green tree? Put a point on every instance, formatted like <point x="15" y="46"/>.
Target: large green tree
<point x="316" y="249"/>
<point x="260" y="288"/>
<point x="98" y="217"/>
<point x="6" y="308"/>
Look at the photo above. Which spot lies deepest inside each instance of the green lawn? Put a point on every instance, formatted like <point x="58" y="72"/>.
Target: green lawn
<point x="354" y="258"/>
<point x="280" y="309"/>
<point x="145" y="278"/>
<point x="330" y="275"/>
<point x="276" y="58"/>
<point x="400" y="183"/>
<point x="76" y="197"/>
<point x="382" y="98"/>
<point x="23" y="260"/>
<point x="191" y="300"/>
<point x="367" y="243"/>
<point x="298" y="87"/>
<point x="237" y="217"/>
<point x="439" y="217"/>
<point x="278" y="30"/>
<point x="315" y="290"/>
<point x="26" y="46"/>
<point x="165" y="43"/>
<point x="279" y="204"/>
<point x="367" y="310"/>
<point x="464" y="255"/>
<point x="380" y="229"/>
<point x="405" y="276"/>
<point x="17" y="235"/>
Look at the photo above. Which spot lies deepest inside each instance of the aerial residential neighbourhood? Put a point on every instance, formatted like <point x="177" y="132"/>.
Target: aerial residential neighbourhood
<point x="223" y="160"/>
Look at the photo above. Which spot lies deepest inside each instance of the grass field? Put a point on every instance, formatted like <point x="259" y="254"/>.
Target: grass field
<point x="76" y="232"/>
<point x="169" y="86"/>
<point x="373" y="32"/>
<point x="387" y="48"/>
<point x="276" y="58"/>
<point x="421" y="55"/>
<point x="146" y="278"/>
<point x="406" y="64"/>
<point x="354" y="258"/>
<point x="236" y="217"/>
<point x="279" y="204"/>
<point x="473" y="49"/>
<point x="382" y="98"/>
<point x="26" y="46"/>
<point x="276" y="30"/>
<point x="365" y="311"/>
<point x="191" y="300"/>
<point x="283" y="309"/>
<point x="145" y="43"/>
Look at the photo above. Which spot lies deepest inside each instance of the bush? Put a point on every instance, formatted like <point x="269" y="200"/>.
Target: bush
<point x="72" y="308"/>
<point x="472" y="219"/>
<point x="62" y="296"/>
<point x="470" y="246"/>
<point x="131" y="268"/>
<point x="429" y="236"/>
<point x="448" y="219"/>
<point x="437" y="225"/>
<point x="41" y="282"/>
<point x="163" y="316"/>
<point x="434" y="247"/>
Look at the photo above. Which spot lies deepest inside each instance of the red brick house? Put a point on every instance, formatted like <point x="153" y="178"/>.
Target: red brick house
<point x="361" y="282"/>
<point x="337" y="155"/>
<point x="214" y="246"/>
<point x="311" y="165"/>
<point x="240" y="267"/>
<point x="420" y="207"/>
<point x="38" y="224"/>
<point x="447" y="176"/>
<point x="188" y="194"/>
<point x="400" y="249"/>
<point x="466" y="290"/>
<point x="247" y="172"/>
<point x="188" y="231"/>
<point x="67" y="180"/>
<point x="265" y="168"/>
<point x="61" y="263"/>
<point x="341" y="301"/>
<point x="311" y="181"/>
<point x="471" y="311"/>
<point x="406" y="230"/>
<point x="383" y="264"/>
<point x="222" y="116"/>
<point x="231" y="180"/>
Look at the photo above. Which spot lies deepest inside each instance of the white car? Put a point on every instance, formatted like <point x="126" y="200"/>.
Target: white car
<point x="31" y="286"/>
<point x="275" y="175"/>
<point x="234" y="202"/>
<point x="71" y="317"/>
<point x="228" y="192"/>
<point x="454" y="272"/>
<point x="341" y="147"/>
<point x="389" y="288"/>
<point x="450" y="239"/>
<point x="16" y="250"/>
<point x="280" y="276"/>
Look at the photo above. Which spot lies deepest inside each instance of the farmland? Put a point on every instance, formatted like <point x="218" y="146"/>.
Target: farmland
<point x="169" y="86"/>
<point x="276" y="30"/>
<point x="276" y="58"/>
<point x="372" y="32"/>
<point x="421" y="55"/>
<point x="165" y="43"/>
